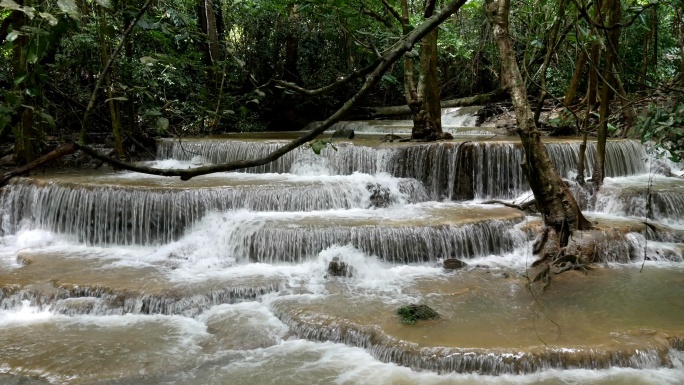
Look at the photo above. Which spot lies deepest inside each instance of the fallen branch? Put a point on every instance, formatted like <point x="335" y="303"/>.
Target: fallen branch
<point x="482" y="99"/>
<point x="522" y="207"/>
<point x="57" y="153"/>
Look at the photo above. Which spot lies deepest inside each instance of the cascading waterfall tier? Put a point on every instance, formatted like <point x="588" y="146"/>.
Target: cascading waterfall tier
<point x="654" y="197"/>
<point x="489" y="329"/>
<point x="73" y="284"/>
<point x="419" y="233"/>
<point x="450" y="170"/>
<point x="130" y="209"/>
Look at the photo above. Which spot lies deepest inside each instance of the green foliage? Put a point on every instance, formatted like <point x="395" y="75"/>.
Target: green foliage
<point x="665" y="127"/>
<point x="318" y="145"/>
<point x="412" y="313"/>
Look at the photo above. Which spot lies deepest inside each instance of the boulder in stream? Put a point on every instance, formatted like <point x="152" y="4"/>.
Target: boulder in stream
<point x="453" y="264"/>
<point x="337" y="268"/>
<point x="343" y="133"/>
<point x="411" y="313"/>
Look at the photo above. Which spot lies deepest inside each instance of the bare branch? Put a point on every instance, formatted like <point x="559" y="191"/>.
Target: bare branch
<point x="330" y="87"/>
<point x="393" y="11"/>
<point x="583" y="11"/>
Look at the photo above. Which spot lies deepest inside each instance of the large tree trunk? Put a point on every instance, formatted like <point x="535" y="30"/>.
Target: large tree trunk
<point x="554" y="200"/>
<point x="611" y="8"/>
<point x="423" y="99"/>
<point x="427" y="124"/>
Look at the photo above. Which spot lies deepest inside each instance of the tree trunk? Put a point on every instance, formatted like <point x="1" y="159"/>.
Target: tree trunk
<point x="679" y="32"/>
<point x="207" y="18"/>
<point x="427" y="124"/>
<point x="576" y="77"/>
<point x="410" y="90"/>
<point x="611" y="8"/>
<point x="25" y="134"/>
<point x="291" y="73"/>
<point x="554" y="200"/>
<point x="109" y="88"/>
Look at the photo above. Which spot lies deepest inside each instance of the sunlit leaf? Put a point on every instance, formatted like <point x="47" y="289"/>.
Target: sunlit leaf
<point x="104" y="3"/>
<point x="12" y="36"/>
<point x="10" y="4"/>
<point x="69" y="7"/>
<point x="50" y="19"/>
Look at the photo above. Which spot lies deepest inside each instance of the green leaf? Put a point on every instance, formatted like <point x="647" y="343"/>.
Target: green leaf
<point x="162" y="125"/>
<point x="104" y="3"/>
<point x="317" y="147"/>
<point x="153" y="113"/>
<point x="48" y="119"/>
<point x="118" y="98"/>
<point x="20" y="79"/>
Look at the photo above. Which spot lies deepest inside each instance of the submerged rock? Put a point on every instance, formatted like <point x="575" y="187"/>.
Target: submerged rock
<point x="380" y="195"/>
<point x="453" y="264"/>
<point x="337" y="268"/>
<point x="412" y="313"/>
<point x="390" y="138"/>
<point x="343" y="133"/>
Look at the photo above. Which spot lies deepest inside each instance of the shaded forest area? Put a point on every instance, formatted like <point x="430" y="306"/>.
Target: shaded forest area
<point x="201" y="67"/>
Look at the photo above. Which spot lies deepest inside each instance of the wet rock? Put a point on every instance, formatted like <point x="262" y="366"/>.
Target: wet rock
<point x="380" y="195"/>
<point x="412" y="313"/>
<point x="7" y="160"/>
<point x="343" y="133"/>
<point x="660" y="167"/>
<point x="453" y="264"/>
<point x="337" y="268"/>
<point x="390" y="138"/>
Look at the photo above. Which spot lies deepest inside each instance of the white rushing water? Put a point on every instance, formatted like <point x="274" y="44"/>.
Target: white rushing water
<point x="118" y="278"/>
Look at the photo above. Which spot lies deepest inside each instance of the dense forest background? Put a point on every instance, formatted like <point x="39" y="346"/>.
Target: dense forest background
<point x="199" y="67"/>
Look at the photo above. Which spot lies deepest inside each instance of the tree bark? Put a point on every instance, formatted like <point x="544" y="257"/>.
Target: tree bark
<point x="554" y="200"/>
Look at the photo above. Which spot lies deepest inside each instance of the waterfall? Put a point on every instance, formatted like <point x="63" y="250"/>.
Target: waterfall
<point x="494" y="166"/>
<point x="124" y="215"/>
